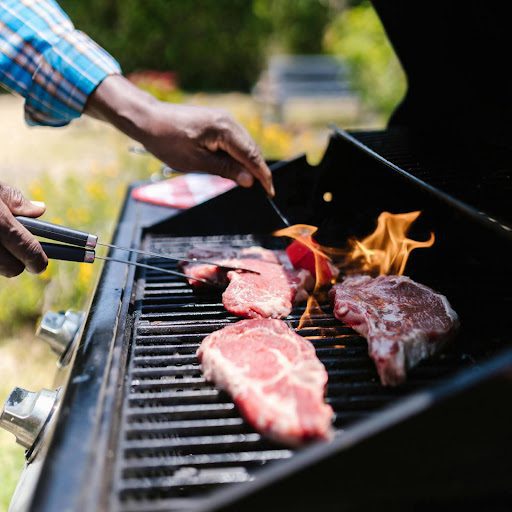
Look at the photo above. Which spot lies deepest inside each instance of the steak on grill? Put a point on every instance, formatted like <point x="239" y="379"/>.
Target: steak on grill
<point x="269" y="294"/>
<point x="228" y="256"/>
<point x="273" y="376"/>
<point x="403" y="321"/>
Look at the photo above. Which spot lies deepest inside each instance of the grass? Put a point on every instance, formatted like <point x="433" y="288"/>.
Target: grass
<point x="26" y="363"/>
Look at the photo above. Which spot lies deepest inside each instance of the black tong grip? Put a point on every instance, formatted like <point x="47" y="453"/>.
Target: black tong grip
<point x="58" y="233"/>
<point x="68" y="253"/>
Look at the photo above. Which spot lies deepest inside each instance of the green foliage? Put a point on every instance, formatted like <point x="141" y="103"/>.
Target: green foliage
<point x="19" y="301"/>
<point x="357" y="36"/>
<point x="211" y="44"/>
<point x="297" y="26"/>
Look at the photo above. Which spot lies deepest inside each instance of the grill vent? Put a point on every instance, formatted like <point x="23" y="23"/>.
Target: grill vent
<point x="180" y="438"/>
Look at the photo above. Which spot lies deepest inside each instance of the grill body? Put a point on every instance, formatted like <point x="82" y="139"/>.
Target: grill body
<point x="140" y="429"/>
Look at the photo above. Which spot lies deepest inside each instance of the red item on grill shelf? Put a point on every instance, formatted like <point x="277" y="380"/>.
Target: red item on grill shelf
<point x="183" y="191"/>
<point x="273" y="376"/>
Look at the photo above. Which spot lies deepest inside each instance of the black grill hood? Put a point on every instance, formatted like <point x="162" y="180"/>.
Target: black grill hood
<point x="454" y="56"/>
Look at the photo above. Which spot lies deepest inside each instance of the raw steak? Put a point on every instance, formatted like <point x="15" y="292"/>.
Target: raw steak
<point x="270" y="294"/>
<point x="403" y="321"/>
<point x="224" y="256"/>
<point x="273" y="376"/>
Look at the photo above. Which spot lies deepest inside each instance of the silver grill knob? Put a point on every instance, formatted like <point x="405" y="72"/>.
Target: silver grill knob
<point x="59" y="331"/>
<point x="25" y="414"/>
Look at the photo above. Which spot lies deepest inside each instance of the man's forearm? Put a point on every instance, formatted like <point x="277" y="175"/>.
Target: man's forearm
<point x="117" y="101"/>
<point x="184" y="137"/>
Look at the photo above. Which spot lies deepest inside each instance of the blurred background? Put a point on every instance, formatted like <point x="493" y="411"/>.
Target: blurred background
<point x="283" y="69"/>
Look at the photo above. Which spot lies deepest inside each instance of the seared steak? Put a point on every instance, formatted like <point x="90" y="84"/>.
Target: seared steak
<point x="226" y="256"/>
<point x="269" y="294"/>
<point x="403" y="321"/>
<point x="273" y="376"/>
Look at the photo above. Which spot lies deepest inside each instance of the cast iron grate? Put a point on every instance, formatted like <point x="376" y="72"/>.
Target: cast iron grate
<point x="180" y="437"/>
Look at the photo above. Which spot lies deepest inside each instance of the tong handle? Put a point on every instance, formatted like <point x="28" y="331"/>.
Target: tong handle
<point x="58" y="233"/>
<point x="68" y="253"/>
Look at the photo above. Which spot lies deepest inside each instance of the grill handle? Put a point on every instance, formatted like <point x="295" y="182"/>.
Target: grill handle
<point x="58" y="233"/>
<point x="68" y="253"/>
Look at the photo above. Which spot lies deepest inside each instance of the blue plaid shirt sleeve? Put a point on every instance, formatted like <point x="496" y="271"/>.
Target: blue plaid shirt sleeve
<point x="47" y="61"/>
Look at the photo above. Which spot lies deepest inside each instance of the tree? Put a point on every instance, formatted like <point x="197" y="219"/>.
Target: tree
<point x="357" y="36"/>
<point x="297" y="26"/>
<point x="211" y="44"/>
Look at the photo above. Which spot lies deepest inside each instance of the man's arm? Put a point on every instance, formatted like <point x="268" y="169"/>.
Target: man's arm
<point x="61" y="73"/>
<point x="184" y="137"/>
<point x="45" y="60"/>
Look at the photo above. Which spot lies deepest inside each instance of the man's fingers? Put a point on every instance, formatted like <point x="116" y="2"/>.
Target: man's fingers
<point x="9" y="265"/>
<point x="244" y="179"/>
<point x="18" y="204"/>
<point x="224" y="165"/>
<point x="24" y="247"/>
<point x="20" y="243"/>
<point x="237" y="142"/>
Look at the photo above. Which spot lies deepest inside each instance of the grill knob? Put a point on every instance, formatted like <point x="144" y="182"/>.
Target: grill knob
<point x="25" y="414"/>
<point x="59" y="330"/>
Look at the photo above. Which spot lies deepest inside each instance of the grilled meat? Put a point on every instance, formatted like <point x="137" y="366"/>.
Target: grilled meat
<point x="269" y="294"/>
<point x="403" y="321"/>
<point x="274" y="377"/>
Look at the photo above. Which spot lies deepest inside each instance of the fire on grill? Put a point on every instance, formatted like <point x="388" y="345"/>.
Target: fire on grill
<point x="403" y="321"/>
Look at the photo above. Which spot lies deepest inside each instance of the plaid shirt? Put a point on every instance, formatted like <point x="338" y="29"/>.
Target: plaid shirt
<point x="45" y="60"/>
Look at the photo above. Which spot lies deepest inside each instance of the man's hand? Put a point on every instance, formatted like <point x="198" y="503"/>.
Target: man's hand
<point x="185" y="138"/>
<point x="18" y="247"/>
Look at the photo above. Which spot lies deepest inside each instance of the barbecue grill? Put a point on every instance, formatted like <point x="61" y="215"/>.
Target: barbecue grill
<point x="137" y="427"/>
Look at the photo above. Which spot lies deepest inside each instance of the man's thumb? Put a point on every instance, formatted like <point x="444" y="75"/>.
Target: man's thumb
<point x="29" y="208"/>
<point x="38" y="207"/>
<point x="18" y="204"/>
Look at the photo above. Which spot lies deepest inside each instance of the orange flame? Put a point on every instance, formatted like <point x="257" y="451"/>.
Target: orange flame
<point x="303" y="233"/>
<point x="387" y="249"/>
<point x="313" y="308"/>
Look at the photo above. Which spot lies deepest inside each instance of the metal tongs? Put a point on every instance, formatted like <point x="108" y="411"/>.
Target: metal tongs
<point x="80" y="246"/>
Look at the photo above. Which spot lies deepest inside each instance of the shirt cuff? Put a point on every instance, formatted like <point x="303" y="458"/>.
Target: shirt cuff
<point x="66" y="74"/>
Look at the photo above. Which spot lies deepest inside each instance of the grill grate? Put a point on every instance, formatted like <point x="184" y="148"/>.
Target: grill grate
<point x="181" y="438"/>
